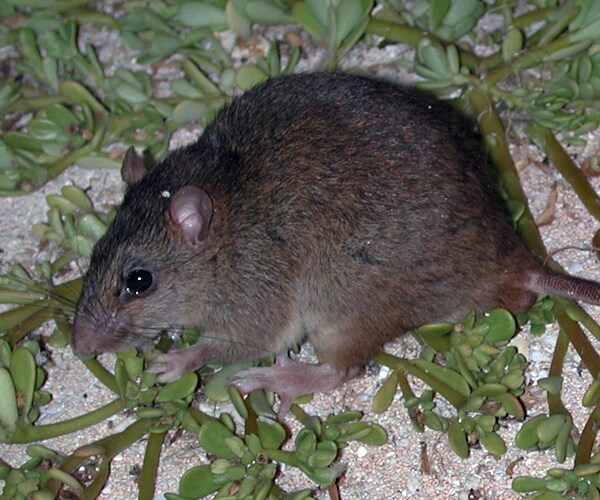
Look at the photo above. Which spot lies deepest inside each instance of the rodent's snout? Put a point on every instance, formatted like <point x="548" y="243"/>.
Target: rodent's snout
<point x="91" y="334"/>
<point x="82" y="337"/>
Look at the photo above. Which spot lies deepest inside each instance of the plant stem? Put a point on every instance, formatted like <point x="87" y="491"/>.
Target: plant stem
<point x="110" y="447"/>
<point x="38" y="102"/>
<point x="407" y="34"/>
<point x="150" y="466"/>
<point x="493" y="131"/>
<point x="530" y="58"/>
<point x="588" y="437"/>
<point x="580" y="342"/>
<point x="57" y="167"/>
<point x="199" y="416"/>
<point x="590" y="324"/>
<point x="19" y="297"/>
<point x="533" y="16"/>
<point x="453" y="397"/>
<point x="555" y="404"/>
<point x="45" y="312"/>
<point x="30" y="433"/>
<point x="395" y="32"/>
<point x="405" y="388"/>
<point x="566" y="166"/>
<point x="102" y="374"/>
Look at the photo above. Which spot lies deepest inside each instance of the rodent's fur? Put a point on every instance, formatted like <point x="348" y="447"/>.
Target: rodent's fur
<point x="344" y="210"/>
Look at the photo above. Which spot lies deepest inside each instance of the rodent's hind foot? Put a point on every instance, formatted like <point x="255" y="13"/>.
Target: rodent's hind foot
<point x="290" y="379"/>
<point x="175" y="363"/>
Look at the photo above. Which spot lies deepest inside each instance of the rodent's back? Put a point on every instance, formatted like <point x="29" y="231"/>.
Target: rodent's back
<point x="343" y="174"/>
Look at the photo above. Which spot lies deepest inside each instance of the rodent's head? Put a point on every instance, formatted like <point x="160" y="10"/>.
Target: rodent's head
<point x="143" y="275"/>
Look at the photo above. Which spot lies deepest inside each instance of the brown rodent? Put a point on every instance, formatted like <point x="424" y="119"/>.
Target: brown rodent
<point x="325" y="207"/>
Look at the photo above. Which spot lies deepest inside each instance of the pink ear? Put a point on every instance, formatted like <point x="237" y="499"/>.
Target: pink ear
<point x="133" y="168"/>
<point x="191" y="209"/>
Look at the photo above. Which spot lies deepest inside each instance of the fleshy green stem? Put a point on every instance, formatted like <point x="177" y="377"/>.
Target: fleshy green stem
<point x="58" y="166"/>
<point x="38" y="102"/>
<point x="45" y="312"/>
<point x="566" y="166"/>
<point x="68" y="292"/>
<point x="199" y="416"/>
<point x="589" y="322"/>
<point x="150" y="467"/>
<point x="96" y="18"/>
<point x="20" y="297"/>
<point x="30" y="433"/>
<point x="555" y="404"/>
<point x="580" y="342"/>
<point x="102" y="374"/>
<point x="408" y="34"/>
<point x="395" y="32"/>
<point x="533" y="16"/>
<point x="407" y="392"/>
<point x="108" y="447"/>
<point x="65" y="5"/>
<point x="453" y="397"/>
<point x="533" y="57"/>
<point x="493" y="131"/>
<point x="588" y="437"/>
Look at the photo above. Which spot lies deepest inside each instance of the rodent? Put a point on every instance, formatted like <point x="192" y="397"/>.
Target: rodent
<point x="327" y="207"/>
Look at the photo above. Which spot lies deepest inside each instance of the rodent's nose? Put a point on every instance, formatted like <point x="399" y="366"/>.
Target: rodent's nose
<point x="82" y="337"/>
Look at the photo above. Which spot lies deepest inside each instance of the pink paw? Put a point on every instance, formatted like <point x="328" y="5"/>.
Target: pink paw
<point x="290" y="379"/>
<point x="171" y="366"/>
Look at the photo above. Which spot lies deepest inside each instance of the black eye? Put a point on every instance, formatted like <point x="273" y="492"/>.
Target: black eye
<point x="138" y="281"/>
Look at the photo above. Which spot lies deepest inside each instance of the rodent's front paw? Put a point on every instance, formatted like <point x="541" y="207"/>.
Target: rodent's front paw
<point x="175" y="363"/>
<point x="170" y="366"/>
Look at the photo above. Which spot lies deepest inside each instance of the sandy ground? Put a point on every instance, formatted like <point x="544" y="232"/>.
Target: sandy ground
<point x="391" y="471"/>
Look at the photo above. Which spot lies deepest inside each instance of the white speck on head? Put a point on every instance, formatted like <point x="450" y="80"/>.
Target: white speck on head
<point x="165" y="194"/>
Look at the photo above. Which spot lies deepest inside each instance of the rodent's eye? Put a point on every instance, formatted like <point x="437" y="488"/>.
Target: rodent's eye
<point x="138" y="281"/>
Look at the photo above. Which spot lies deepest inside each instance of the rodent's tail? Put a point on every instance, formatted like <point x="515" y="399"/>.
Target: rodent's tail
<point x="563" y="285"/>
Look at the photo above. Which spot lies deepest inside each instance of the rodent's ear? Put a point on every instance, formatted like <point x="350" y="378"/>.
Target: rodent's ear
<point x="133" y="168"/>
<point x="191" y="209"/>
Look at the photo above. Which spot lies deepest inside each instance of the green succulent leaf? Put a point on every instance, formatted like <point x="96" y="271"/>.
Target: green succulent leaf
<point x="9" y="413"/>
<point x="493" y="443"/>
<point x="385" y="395"/>
<point x="212" y="438"/>
<point x="272" y="435"/>
<point x="200" y="481"/>
<point x="23" y="372"/>
<point x="179" y="389"/>
<point x="216" y="388"/>
<point x="502" y="326"/>
<point x="458" y="439"/>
